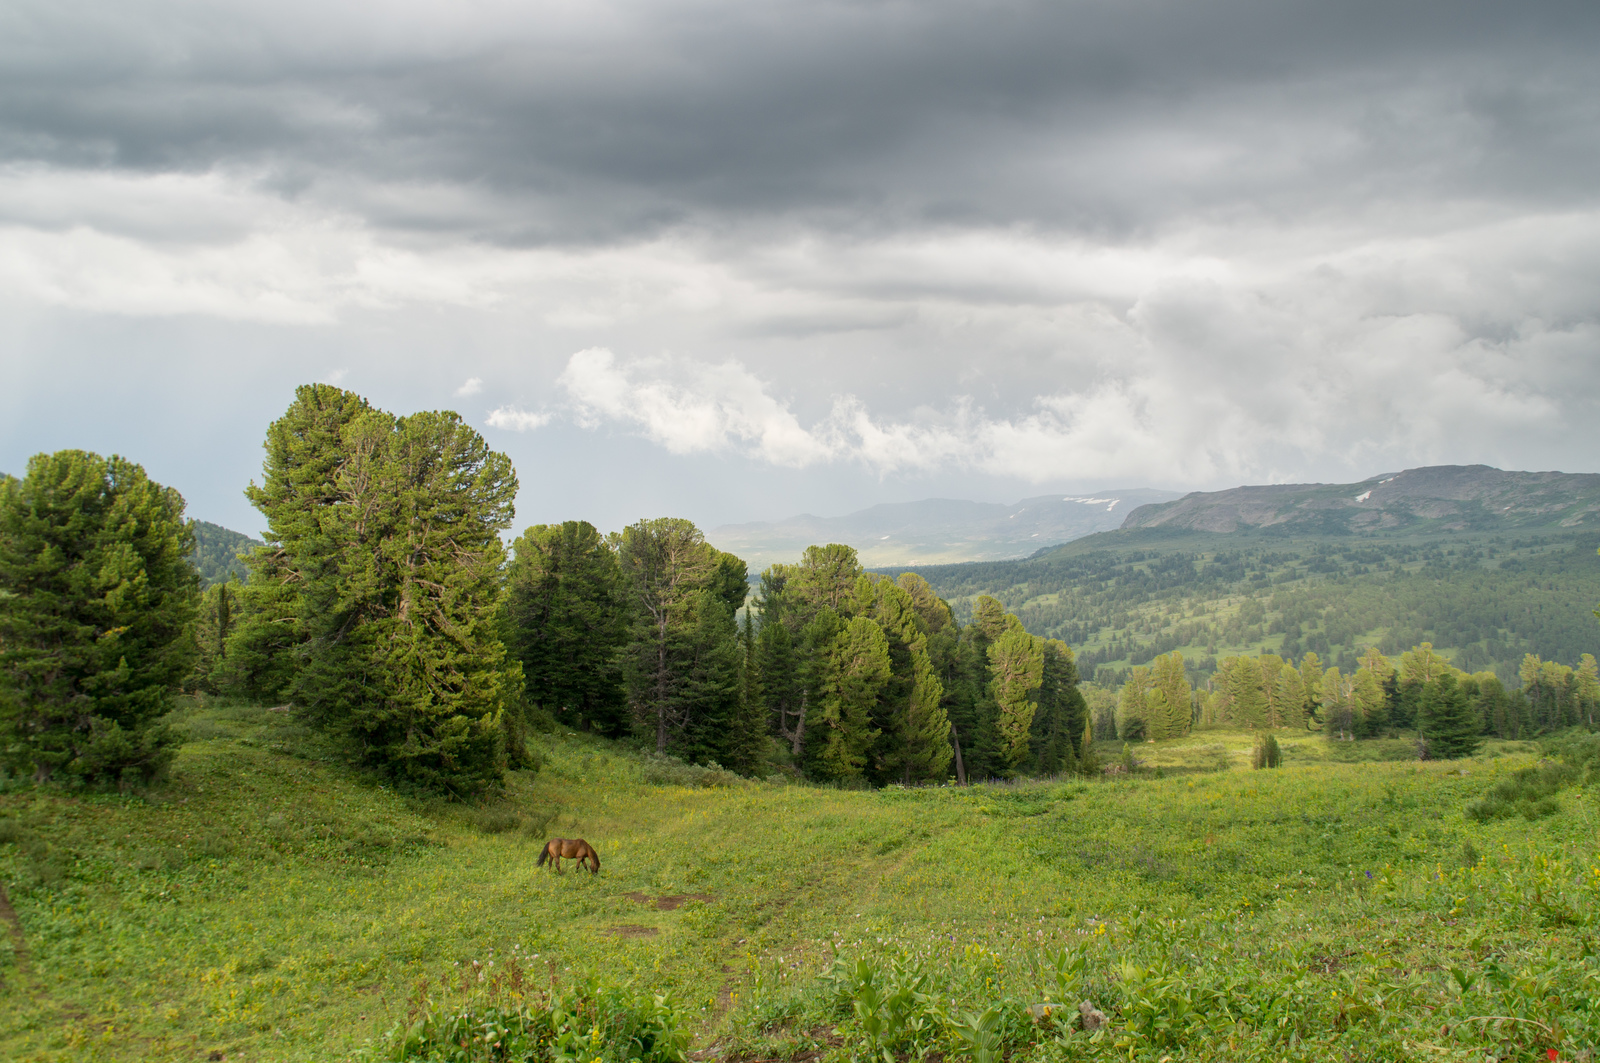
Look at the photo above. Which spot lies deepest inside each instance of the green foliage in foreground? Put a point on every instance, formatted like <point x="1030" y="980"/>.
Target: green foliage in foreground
<point x="267" y="907"/>
<point x="590" y="1023"/>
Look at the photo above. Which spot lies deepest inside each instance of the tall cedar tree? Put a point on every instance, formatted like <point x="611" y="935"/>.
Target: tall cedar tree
<point x="213" y="623"/>
<point x="295" y="576"/>
<point x="1338" y="706"/>
<point x="855" y="670"/>
<point x="1249" y="700"/>
<point x="1311" y="683"/>
<point x="711" y="683"/>
<point x="681" y="663"/>
<point x="1133" y="706"/>
<point x="748" y="745"/>
<point x="96" y="595"/>
<point x="1016" y="661"/>
<point x="375" y="604"/>
<point x="1169" y="697"/>
<point x="1448" y="721"/>
<point x="1058" y="722"/>
<point x="565" y="622"/>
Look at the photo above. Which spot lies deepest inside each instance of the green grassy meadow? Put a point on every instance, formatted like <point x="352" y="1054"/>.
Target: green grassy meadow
<point x="267" y="906"/>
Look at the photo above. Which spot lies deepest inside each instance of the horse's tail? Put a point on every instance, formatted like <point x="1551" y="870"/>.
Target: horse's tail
<point x="544" y="854"/>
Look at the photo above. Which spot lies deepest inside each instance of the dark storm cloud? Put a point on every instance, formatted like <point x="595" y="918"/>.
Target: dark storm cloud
<point x="1183" y="244"/>
<point x="583" y="122"/>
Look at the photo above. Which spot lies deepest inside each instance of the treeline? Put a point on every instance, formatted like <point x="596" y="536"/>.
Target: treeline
<point x="1450" y="709"/>
<point x="835" y="673"/>
<point x="386" y="610"/>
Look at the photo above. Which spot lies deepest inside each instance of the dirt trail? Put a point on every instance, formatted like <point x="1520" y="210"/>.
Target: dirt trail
<point x="19" y="940"/>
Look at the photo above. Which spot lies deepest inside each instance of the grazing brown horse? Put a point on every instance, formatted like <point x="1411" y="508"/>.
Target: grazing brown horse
<point x="582" y="851"/>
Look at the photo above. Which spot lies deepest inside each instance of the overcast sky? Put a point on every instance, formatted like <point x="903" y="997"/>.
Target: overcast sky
<point x="736" y="261"/>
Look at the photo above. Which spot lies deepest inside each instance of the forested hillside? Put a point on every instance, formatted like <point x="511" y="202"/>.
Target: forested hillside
<point x="216" y="552"/>
<point x="1122" y="598"/>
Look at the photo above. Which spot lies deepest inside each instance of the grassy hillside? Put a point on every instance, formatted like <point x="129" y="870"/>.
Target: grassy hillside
<point x="268" y="907"/>
<point x="1123" y="597"/>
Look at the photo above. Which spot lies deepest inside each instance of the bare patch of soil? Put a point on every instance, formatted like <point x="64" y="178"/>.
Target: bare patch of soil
<point x="632" y="930"/>
<point x="669" y="903"/>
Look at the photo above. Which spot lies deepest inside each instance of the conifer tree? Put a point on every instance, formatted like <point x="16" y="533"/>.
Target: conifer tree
<point x="1338" y="709"/>
<point x="1447" y="721"/>
<point x="1311" y="683"/>
<point x="294" y="582"/>
<point x="1016" y="659"/>
<point x="782" y="687"/>
<point x="1058" y="721"/>
<point x="1587" y="689"/>
<point x="375" y="606"/>
<point x="1133" y="706"/>
<point x="213" y="623"/>
<point x="670" y="574"/>
<point x="1170" y="697"/>
<point x="708" y="657"/>
<point x="1249" y="700"/>
<point x="1292" y="696"/>
<point x="96" y="594"/>
<point x="748" y="748"/>
<point x="923" y="748"/>
<point x="565" y="622"/>
<point x="1372" y="703"/>
<point x="933" y="611"/>
<point x="1271" y="666"/>
<point x="855" y="669"/>
<point x="989" y="617"/>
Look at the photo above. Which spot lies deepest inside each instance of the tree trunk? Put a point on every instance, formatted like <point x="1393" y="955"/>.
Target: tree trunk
<point x="961" y="769"/>
<point x="661" y="683"/>
<point x="799" y="729"/>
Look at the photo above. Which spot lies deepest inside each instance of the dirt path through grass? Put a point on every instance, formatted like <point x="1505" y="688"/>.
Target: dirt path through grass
<point x="19" y="940"/>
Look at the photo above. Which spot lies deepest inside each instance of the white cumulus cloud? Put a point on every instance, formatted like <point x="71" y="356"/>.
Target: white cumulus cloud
<point x="515" y="420"/>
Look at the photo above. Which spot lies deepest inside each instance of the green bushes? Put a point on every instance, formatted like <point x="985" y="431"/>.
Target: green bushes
<point x="663" y="769"/>
<point x="591" y="1022"/>
<point x="1266" y="753"/>
<point x="906" y="1006"/>
<point x="1530" y="793"/>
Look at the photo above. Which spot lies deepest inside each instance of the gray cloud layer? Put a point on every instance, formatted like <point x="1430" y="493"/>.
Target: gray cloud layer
<point x="1177" y="243"/>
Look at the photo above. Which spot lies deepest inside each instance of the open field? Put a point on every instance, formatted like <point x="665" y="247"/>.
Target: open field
<point x="265" y="906"/>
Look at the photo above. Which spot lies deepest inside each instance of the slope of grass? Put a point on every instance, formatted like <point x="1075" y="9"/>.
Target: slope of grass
<point x="266" y="906"/>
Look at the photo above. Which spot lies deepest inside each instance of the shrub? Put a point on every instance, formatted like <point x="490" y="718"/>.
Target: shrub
<point x="662" y="769"/>
<point x="591" y="1022"/>
<point x="1266" y="753"/>
<point x="1530" y="793"/>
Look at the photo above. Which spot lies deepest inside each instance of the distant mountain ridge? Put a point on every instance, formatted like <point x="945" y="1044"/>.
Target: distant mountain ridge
<point x="1435" y="498"/>
<point x="937" y="530"/>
